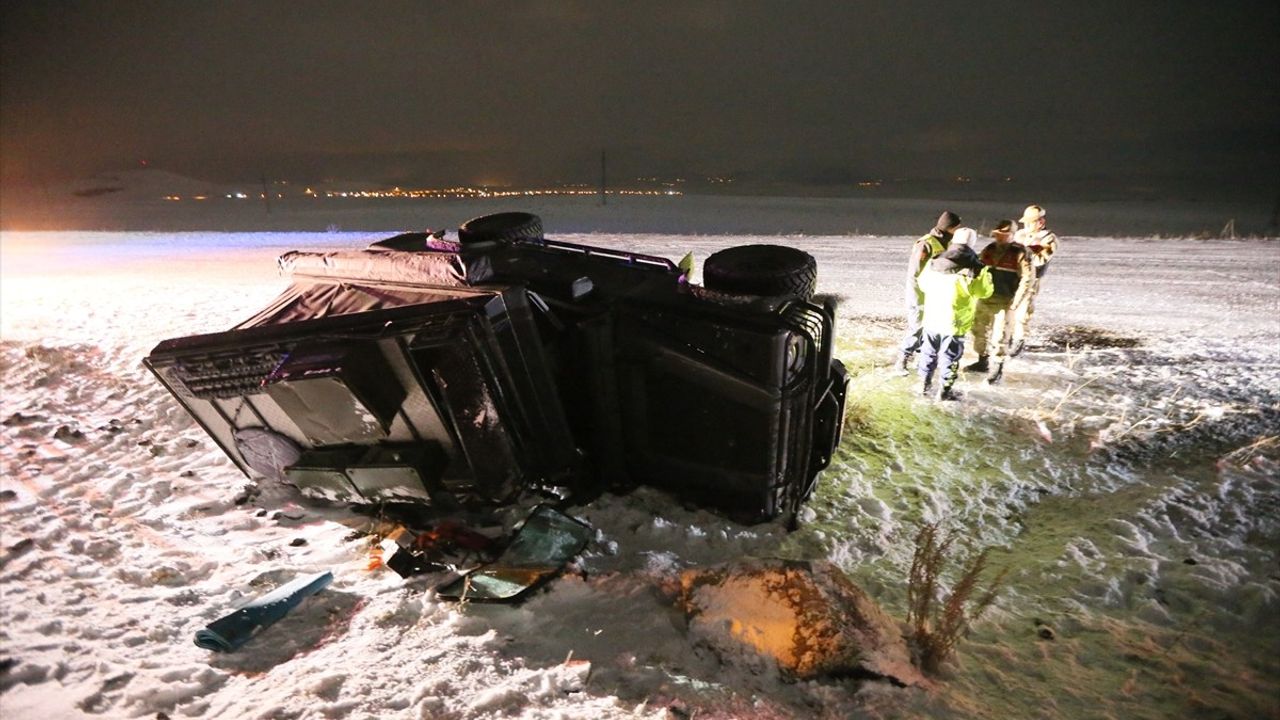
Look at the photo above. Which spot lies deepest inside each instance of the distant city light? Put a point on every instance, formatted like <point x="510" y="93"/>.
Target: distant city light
<point x="450" y="192"/>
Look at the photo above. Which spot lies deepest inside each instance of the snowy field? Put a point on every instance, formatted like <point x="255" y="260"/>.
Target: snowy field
<point x="1127" y="472"/>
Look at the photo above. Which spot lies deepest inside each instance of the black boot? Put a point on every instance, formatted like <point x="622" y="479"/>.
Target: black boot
<point x="926" y="390"/>
<point x="1017" y="348"/>
<point x="903" y="365"/>
<point x="980" y="366"/>
<point x="997" y="374"/>
<point x="949" y="393"/>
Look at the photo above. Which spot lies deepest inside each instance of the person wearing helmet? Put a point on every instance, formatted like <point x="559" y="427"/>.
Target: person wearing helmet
<point x="965" y="236"/>
<point x="1012" y="275"/>
<point x="953" y="284"/>
<point x="928" y="247"/>
<point x="1041" y="243"/>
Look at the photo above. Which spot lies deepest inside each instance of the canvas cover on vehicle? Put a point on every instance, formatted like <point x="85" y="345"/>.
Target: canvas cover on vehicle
<point x="310" y="299"/>
<point x="344" y="282"/>
<point x="428" y="267"/>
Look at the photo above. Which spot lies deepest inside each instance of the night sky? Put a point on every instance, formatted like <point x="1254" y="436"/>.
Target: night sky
<point x="805" y="94"/>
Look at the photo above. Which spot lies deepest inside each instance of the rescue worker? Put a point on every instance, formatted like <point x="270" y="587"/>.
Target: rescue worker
<point x="1012" y="276"/>
<point x="1041" y="244"/>
<point x="928" y="247"/>
<point x="951" y="295"/>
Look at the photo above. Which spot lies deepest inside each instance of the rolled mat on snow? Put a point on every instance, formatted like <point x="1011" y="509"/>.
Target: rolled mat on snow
<point x="229" y="633"/>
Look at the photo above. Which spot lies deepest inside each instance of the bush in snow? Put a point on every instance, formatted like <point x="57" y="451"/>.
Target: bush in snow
<point x="936" y="626"/>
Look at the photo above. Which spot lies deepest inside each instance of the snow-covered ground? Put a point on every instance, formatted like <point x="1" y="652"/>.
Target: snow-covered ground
<point x="1127" y="471"/>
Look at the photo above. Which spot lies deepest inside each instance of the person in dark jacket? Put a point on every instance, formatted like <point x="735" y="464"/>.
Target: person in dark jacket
<point x="928" y="247"/>
<point x="1012" y="275"/>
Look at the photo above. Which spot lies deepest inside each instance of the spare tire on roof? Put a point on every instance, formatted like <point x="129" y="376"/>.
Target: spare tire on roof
<point x="769" y="270"/>
<point x="507" y="227"/>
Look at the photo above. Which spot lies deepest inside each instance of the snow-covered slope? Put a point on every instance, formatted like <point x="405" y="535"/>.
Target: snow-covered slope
<point x="1127" y="472"/>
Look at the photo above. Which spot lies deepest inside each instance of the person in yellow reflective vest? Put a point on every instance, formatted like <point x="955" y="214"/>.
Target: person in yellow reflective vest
<point x="953" y="283"/>
<point x="923" y="250"/>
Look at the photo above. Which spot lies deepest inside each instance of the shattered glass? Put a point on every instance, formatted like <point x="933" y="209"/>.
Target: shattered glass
<point x="546" y="541"/>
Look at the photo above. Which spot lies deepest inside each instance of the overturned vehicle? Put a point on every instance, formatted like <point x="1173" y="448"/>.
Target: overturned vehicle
<point x="425" y="368"/>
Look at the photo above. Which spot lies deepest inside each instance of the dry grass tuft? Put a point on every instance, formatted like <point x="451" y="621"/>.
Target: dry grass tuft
<point x="935" y="626"/>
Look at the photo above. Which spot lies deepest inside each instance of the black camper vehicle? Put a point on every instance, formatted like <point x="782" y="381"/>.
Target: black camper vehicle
<point x="422" y="367"/>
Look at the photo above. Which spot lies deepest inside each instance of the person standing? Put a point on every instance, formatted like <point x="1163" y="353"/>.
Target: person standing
<point x="928" y="247"/>
<point x="951" y="295"/>
<point x="1012" y="276"/>
<point x="1041" y="243"/>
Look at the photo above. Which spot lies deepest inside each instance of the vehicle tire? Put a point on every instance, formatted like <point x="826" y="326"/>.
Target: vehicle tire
<point x="768" y="270"/>
<point x="500" y="228"/>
